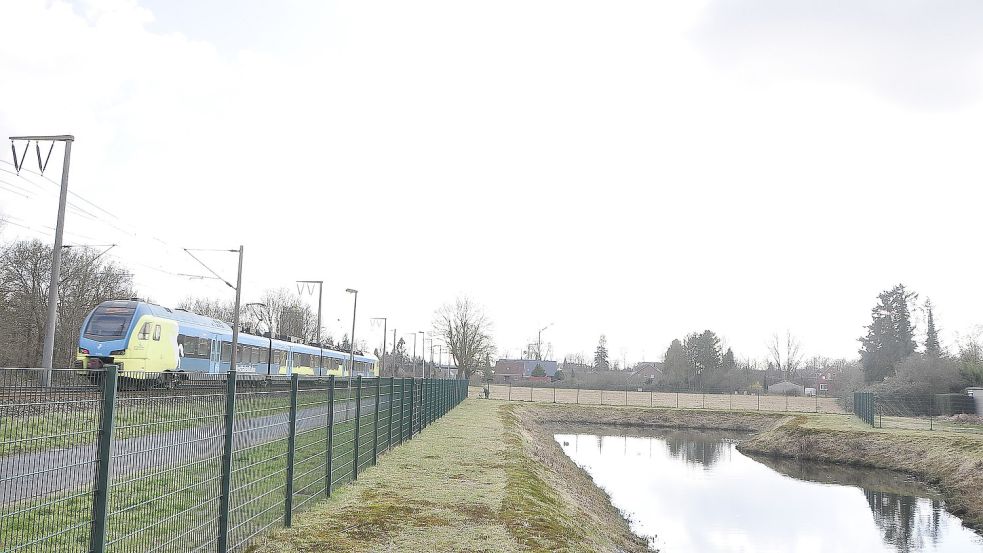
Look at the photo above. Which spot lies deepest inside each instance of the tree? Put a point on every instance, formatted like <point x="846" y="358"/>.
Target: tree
<point x="677" y="366"/>
<point x="703" y="350"/>
<point x="890" y="335"/>
<point x="728" y="363"/>
<point x="785" y="355"/>
<point x="87" y="279"/>
<point x="558" y="375"/>
<point x="601" y="354"/>
<point x="466" y="330"/>
<point x="538" y="371"/>
<point x="932" y="346"/>
<point x="971" y="357"/>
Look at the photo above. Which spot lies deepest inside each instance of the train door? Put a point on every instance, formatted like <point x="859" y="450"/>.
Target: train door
<point x="215" y="359"/>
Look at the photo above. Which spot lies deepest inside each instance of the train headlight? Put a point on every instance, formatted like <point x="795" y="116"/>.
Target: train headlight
<point x="119" y="352"/>
<point x="83" y="351"/>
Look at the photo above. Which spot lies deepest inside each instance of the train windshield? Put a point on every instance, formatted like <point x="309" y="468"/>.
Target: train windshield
<point x="109" y="322"/>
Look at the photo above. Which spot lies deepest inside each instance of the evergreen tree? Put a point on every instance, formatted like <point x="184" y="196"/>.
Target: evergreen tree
<point x="890" y="335"/>
<point x="728" y="363"/>
<point x="704" y="352"/>
<point x="677" y="366"/>
<point x="932" y="346"/>
<point x="601" y="354"/>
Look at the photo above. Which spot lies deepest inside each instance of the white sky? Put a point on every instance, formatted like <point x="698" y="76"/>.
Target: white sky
<point x="639" y="169"/>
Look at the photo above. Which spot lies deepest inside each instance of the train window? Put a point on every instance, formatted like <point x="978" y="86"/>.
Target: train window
<point x="204" y="348"/>
<point x="144" y="332"/>
<point x="255" y="355"/>
<point x="157" y="333"/>
<point x="108" y="322"/>
<point x="190" y="346"/>
<point x="226" y="352"/>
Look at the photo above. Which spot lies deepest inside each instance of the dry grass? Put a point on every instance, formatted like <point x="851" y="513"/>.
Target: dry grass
<point x="476" y="480"/>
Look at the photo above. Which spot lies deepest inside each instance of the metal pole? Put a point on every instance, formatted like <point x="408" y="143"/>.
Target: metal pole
<point x="327" y="476"/>
<point x="375" y="424"/>
<point x="100" y="497"/>
<point x="225" y="497"/>
<point x="48" y="352"/>
<point x="288" y="512"/>
<point x="358" y="423"/>
<point x="351" y="361"/>
<point x="320" y="350"/>
<point x="235" y="315"/>
<point x="392" y="394"/>
<point x="412" y="404"/>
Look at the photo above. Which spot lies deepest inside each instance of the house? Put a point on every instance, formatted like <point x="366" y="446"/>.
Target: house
<point x="510" y="370"/>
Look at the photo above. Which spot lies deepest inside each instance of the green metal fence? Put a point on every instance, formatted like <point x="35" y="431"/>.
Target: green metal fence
<point x="864" y="407"/>
<point x="110" y="462"/>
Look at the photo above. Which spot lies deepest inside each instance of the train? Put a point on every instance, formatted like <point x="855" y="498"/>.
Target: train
<point x="148" y="341"/>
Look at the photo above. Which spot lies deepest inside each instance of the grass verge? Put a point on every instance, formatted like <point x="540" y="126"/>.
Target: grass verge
<point x="483" y="478"/>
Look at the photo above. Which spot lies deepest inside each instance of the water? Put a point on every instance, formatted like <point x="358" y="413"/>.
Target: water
<point x="693" y="492"/>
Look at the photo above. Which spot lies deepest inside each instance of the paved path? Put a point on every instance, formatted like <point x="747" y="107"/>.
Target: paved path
<point x="36" y="475"/>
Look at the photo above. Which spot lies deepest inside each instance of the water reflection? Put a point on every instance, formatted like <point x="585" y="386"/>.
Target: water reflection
<point x="693" y="491"/>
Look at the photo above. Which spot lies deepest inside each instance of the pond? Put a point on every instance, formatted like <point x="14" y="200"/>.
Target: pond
<point x="694" y="492"/>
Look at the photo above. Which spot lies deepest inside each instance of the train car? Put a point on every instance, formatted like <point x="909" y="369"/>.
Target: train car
<point x="147" y="340"/>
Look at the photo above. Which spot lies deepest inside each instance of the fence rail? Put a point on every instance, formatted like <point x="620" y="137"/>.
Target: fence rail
<point x="690" y="399"/>
<point x="109" y="461"/>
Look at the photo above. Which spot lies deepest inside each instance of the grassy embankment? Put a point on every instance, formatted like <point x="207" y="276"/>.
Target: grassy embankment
<point x="483" y="478"/>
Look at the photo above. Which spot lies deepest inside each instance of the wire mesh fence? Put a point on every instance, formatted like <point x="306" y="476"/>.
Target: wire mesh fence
<point x="112" y="461"/>
<point x="920" y="411"/>
<point x="680" y="399"/>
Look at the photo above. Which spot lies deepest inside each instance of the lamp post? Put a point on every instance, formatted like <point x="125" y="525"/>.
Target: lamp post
<point x="237" y="288"/>
<point x="423" y="364"/>
<point x="414" y="353"/>
<point x="48" y="351"/>
<point x="383" y="362"/>
<point x="320" y="289"/>
<point x="351" y="358"/>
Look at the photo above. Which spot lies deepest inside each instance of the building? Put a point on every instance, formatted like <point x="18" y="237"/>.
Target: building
<point x="510" y="370"/>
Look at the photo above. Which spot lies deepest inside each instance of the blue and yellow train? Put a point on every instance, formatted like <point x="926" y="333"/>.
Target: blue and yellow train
<point x="147" y="340"/>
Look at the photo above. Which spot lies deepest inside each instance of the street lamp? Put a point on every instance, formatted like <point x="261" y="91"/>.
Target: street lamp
<point x="351" y="361"/>
<point x="383" y="360"/>
<point x="414" y="352"/>
<point x="423" y="365"/>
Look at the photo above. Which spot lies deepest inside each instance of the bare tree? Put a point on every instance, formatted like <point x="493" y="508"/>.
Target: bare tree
<point x="466" y="330"/>
<point x="87" y="280"/>
<point x="785" y="353"/>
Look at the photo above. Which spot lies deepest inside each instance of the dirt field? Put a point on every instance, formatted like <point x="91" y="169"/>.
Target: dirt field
<point x="682" y="400"/>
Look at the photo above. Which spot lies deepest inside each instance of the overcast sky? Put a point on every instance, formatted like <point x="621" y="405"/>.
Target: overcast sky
<point x="637" y="169"/>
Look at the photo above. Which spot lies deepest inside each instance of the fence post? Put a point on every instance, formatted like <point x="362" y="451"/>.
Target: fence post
<point x="677" y="399"/>
<point x="291" y="451"/>
<point x="402" y="408"/>
<point x="578" y="394"/>
<point x="786" y="402"/>
<point x="225" y="499"/>
<point x="358" y="422"/>
<point x="392" y="394"/>
<point x="375" y="424"/>
<point x="651" y="395"/>
<point x="510" y="391"/>
<point x="100" y="496"/>
<point x="759" y="400"/>
<point x="412" y="405"/>
<point x="327" y="472"/>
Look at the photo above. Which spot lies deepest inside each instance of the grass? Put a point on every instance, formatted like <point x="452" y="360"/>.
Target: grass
<point x="475" y="481"/>
<point x="175" y="508"/>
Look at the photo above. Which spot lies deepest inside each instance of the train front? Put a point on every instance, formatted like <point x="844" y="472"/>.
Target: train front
<point x="105" y="334"/>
